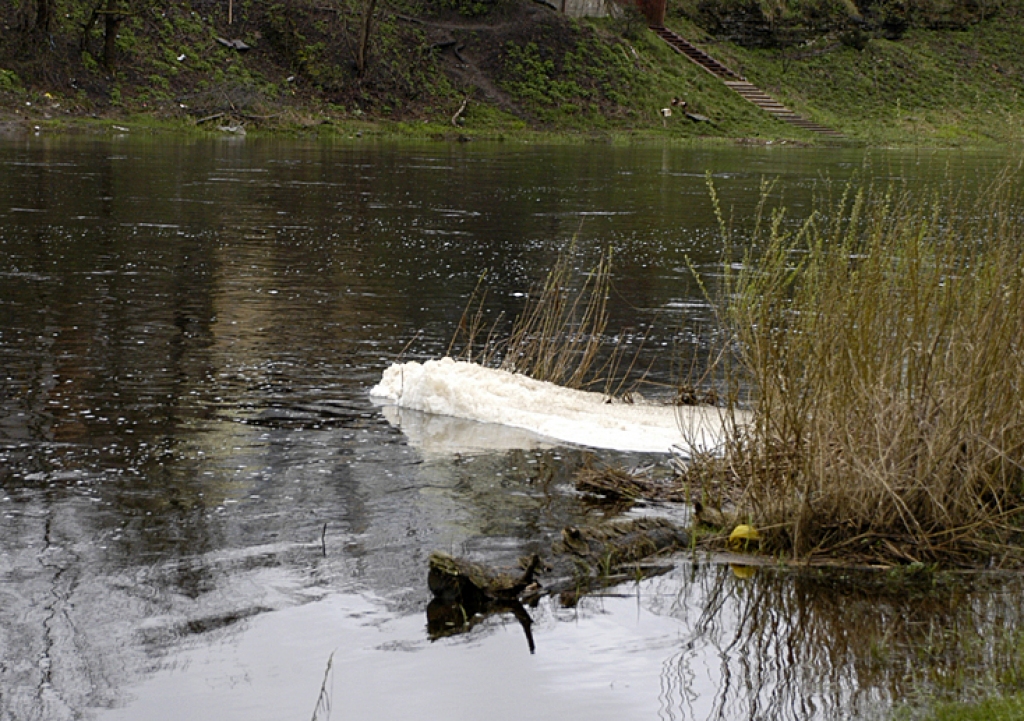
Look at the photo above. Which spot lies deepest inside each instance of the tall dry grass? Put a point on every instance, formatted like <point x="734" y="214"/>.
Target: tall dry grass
<point x="560" y="335"/>
<point x="883" y="339"/>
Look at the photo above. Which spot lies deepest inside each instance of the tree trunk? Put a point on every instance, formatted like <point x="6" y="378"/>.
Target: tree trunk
<point x="111" y="21"/>
<point x="44" y="15"/>
<point x="364" y="37"/>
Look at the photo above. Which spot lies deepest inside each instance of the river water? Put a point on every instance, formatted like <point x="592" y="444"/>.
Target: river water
<point x="204" y="516"/>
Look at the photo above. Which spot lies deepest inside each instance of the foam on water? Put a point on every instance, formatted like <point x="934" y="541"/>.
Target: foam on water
<point x="466" y="390"/>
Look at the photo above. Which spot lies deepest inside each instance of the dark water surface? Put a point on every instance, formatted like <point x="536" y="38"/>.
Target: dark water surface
<point x="203" y="515"/>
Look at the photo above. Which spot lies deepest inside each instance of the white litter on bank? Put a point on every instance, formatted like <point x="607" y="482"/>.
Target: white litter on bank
<point x="466" y="390"/>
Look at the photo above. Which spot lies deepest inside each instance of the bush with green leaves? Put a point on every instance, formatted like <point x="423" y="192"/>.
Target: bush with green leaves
<point x="9" y="81"/>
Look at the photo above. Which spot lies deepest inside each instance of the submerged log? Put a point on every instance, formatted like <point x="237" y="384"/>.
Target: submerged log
<point x="589" y="558"/>
<point x="616" y="543"/>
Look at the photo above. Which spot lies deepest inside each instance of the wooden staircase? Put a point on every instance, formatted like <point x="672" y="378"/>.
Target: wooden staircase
<point x="739" y="84"/>
<point x="681" y="45"/>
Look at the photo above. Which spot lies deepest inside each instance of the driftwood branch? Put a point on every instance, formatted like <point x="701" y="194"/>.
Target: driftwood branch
<point x="460" y="111"/>
<point x="465" y="593"/>
<point x="583" y="558"/>
<point x="208" y="118"/>
<point x="616" y="484"/>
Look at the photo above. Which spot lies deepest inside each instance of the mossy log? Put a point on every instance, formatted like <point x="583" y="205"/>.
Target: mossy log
<point x="580" y="559"/>
<point x="457" y="580"/>
<point x="466" y="592"/>
<point x="610" y="553"/>
<point x="617" y="542"/>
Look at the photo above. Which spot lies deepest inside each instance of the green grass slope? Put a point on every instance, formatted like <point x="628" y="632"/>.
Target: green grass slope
<point x="942" y="87"/>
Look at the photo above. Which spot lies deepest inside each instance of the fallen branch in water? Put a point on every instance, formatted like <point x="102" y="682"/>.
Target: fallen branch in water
<point x="618" y="484"/>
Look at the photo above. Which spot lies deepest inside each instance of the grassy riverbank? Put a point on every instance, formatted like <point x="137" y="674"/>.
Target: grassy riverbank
<point x="500" y="69"/>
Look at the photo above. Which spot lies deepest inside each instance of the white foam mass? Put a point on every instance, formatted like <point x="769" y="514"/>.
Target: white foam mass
<point x="466" y="390"/>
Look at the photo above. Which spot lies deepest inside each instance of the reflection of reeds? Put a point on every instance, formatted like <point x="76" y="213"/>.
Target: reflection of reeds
<point x="323" y="701"/>
<point x="838" y="644"/>
<point x="884" y="340"/>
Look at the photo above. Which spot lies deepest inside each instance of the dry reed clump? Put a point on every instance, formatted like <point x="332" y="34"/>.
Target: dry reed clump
<point x="560" y="335"/>
<point x="884" y="343"/>
<point x="618" y="485"/>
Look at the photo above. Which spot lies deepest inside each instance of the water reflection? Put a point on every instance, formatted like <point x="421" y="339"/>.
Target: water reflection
<point x="188" y="331"/>
<point x="442" y="436"/>
<point x="835" y="643"/>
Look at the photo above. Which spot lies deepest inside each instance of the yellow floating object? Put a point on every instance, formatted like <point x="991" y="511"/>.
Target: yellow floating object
<point x="742" y="536"/>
